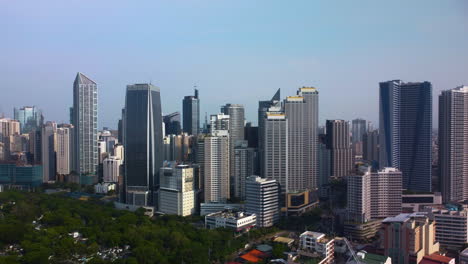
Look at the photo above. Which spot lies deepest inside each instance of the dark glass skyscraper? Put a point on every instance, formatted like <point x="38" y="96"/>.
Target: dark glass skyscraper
<point x="405" y="130"/>
<point x="143" y="144"/>
<point x="191" y="114"/>
<point x="172" y="123"/>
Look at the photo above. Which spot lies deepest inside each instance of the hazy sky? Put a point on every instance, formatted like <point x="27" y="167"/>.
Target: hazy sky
<point x="234" y="51"/>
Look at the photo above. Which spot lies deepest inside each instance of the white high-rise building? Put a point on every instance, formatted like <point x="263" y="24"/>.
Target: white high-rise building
<point x="276" y="149"/>
<point x="111" y="169"/>
<point x="374" y="195"/>
<point x="177" y="192"/>
<point x="213" y="157"/>
<point x="302" y="114"/>
<point x="453" y="143"/>
<point x="262" y="199"/>
<point x="85" y="120"/>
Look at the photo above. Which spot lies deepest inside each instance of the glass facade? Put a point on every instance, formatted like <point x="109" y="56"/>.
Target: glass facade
<point x="143" y="139"/>
<point x="21" y="175"/>
<point x="85" y="121"/>
<point x="30" y="118"/>
<point x="191" y="114"/>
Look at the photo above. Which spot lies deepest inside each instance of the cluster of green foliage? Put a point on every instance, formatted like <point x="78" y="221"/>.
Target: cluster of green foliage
<point x="167" y="239"/>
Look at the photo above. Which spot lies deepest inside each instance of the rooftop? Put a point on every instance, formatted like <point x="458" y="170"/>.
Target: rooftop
<point x="231" y="214"/>
<point x="372" y="258"/>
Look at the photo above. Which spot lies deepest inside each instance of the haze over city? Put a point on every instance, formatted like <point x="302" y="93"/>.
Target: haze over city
<point x="234" y="52"/>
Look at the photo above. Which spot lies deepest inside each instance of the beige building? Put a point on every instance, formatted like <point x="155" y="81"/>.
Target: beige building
<point x="407" y="238"/>
<point x="8" y="128"/>
<point x="64" y="147"/>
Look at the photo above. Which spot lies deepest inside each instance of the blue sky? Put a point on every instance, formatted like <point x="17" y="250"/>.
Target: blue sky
<point x="234" y="51"/>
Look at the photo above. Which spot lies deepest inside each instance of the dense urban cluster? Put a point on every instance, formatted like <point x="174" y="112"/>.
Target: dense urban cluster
<point x="286" y="190"/>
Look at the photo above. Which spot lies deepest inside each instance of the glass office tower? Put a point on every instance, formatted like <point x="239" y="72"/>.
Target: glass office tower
<point x="143" y="144"/>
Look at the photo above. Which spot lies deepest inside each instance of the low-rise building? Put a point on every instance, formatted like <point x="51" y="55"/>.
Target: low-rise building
<point x="236" y="220"/>
<point x="104" y="188"/>
<point x="209" y="208"/>
<point x="437" y="259"/>
<point x="316" y="245"/>
<point x="415" y="202"/>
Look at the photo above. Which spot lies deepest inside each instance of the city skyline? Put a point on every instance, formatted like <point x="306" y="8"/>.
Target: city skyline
<point x="260" y="59"/>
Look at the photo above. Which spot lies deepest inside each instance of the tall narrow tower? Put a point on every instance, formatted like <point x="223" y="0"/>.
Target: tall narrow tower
<point x="85" y="121"/>
<point x="143" y="144"/>
<point x="191" y="114"/>
<point x="405" y="131"/>
<point x="453" y="143"/>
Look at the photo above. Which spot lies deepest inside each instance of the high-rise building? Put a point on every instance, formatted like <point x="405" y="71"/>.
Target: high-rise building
<point x="143" y="144"/>
<point x="371" y="147"/>
<point x="111" y="169"/>
<point x="338" y="142"/>
<point x="407" y="238"/>
<point x="251" y="134"/>
<point x="191" y="114"/>
<point x="236" y="133"/>
<point x="64" y="149"/>
<point x="213" y="158"/>
<point x="358" y="129"/>
<point x="172" y="123"/>
<point x="302" y="114"/>
<point x="324" y="165"/>
<point x="405" y="131"/>
<point x="177" y="194"/>
<point x="275" y="144"/>
<point x="262" y="199"/>
<point x="35" y="146"/>
<point x="453" y="143"/>
<point x="30" y="118"/>
<point x="85" y="122"/>
<point x="263" y="108"/>
<point x="8" y="128"/>
<point x="49" y="146"/>
<point x="244" y="166"/>
<point x="374" y="195"/>
<point x="219" y="122"/>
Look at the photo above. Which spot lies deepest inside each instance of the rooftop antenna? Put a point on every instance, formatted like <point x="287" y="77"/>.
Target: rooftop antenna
<point x="195" y="87"/>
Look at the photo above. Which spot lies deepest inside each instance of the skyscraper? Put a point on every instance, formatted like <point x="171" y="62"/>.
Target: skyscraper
<point x="236" y="134"/>
<point x="358" y="128"/>
<point x="143" y="144"/>
<point x="370" y="147"/>
<point x="49" y="165"/>
<point x="85" y="121"/>
<point x="338" y="142"/>
<point x="213" y="157"/>
<point x="275" y="142"/>
<point x="302" y="114"/>
<point x="178" y="193"/>
<point x="64" y="149"/>
<point x="191" y="114"/>
<point x="263" y="108"/>
<point x="453" y="143"/>
<point x="30" y="118"/>
<point x="262" y="200"/>
<point x="244" y="166"/>
<point x="405" y="130"/>
<point x="172" y="123"/>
